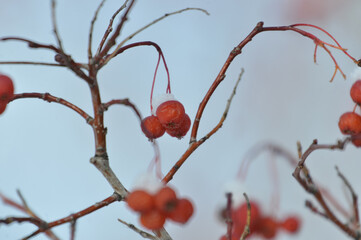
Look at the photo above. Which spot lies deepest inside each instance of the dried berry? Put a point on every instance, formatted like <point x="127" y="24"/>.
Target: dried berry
<point x="6" y="89"/>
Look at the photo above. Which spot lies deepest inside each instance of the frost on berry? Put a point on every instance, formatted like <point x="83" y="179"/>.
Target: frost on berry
<point x="158" y="100"/>
<point x="170" y="114"/>
<point x="152" y="128"/>
<point x="355" y="92"/>
<point x="350" y="123"/>
<point x="148" y="182"/>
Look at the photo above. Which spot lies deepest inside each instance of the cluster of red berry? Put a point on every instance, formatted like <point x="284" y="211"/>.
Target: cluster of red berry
<point x="169" y="117"/>
<point x="6" y="91"/>
<point x="265" y="227"/>
<point x="350" y="122"/>
<point x="154" y="209"/>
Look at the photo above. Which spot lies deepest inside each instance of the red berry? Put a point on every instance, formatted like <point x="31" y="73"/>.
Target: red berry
<point x="182" y="212"/>
<point x="6" y="88"/>
<point x="153" y="220"/>
<point x="350" y="123"/>
<point x="170" y="114"/>
<point x="152" y="128"/>
<point x="166" y="200"/>
<point x="182" y="130"/>
<point x="355" y="92"/>
<point x="140" y="201"/>
<point x="239" y="216"/>
<point x="291" y="224"/>
<point x="267" y="227"/>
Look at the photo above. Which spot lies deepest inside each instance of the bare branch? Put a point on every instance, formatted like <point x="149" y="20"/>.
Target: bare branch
<point x="55" y="27"/>
<point x="50" y="98"/>
<point x="157" y="20"/>
<point x="90" y="38"/>
<point x="137" y="230"/>
<point x="31" y="63"/>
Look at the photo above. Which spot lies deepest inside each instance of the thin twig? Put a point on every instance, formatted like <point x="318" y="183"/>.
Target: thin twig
<point x="157" y="20"/>
<point x="196" y="144"/>
<point x="90" y="38"/>
<point x="110" y="27"/>
<point x="124" y="102"/>
<point x="137" y="230"/>
<point x="228" y="219"/>
<point x="55" y="27"/>
<point x="32" y="63"/>
<point x="246" y="229"/>
<point x="353" y="194"/>
<point x="50" y="98"/>
<point x="72" y="229"/>
<point x="31" y="43"/>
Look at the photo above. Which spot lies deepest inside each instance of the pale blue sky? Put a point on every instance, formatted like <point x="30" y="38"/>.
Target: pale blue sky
<point x="284" y="97"/>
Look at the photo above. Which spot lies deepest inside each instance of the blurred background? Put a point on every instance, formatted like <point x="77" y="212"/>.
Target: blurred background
<point x="283" y="98"/>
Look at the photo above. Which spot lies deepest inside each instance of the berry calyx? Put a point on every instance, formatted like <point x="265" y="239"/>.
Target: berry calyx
<point x="291" y="224"/>
<point x="140" y="201"/>
<point x="182" y="212"/>
<point x="152" y="128"/>
<point x="171" y="114"/>
<point x="6" y="89"/>
<point x="153" y="220"/>
<point x="182" y="130"/>
<point x="166" y="200"/>
<point x="355" y="92"/>
<point x="350" y="123"/>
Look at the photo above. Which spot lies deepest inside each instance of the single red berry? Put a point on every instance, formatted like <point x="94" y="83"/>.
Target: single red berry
<point x="182" y="130"/>
<point x="182" y="212"/>
<point x="140" y="201"/>
<point x="239" y="216"/>
<point x="2" y="107"/>
<point x="166" y="200"/>
<point x="152" y="128"/>
<point x="153" y="220"/>
<point x="267" y="227"/>
<point x="6" y="88"/>
<point x="170" y="114"/>
<point x="350" y="123"/>
<point x="355" y="92"/>
<point x="291" y="224"/>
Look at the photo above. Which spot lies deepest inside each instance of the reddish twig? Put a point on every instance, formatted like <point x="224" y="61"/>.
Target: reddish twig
<point x="310" y="187"/>
<point x="195" y="145"/>
<point x="50" y="98"/>
<point x="246" y="229"/>
<point x="137" y="230"/>
<point x="355" y="216"/>
<point x="124" y="102"/>
<point x="73" y="217"/>
<point x="111" y="41"/>
<point x="228" y="219"/>
<point x="31" y="44"/>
